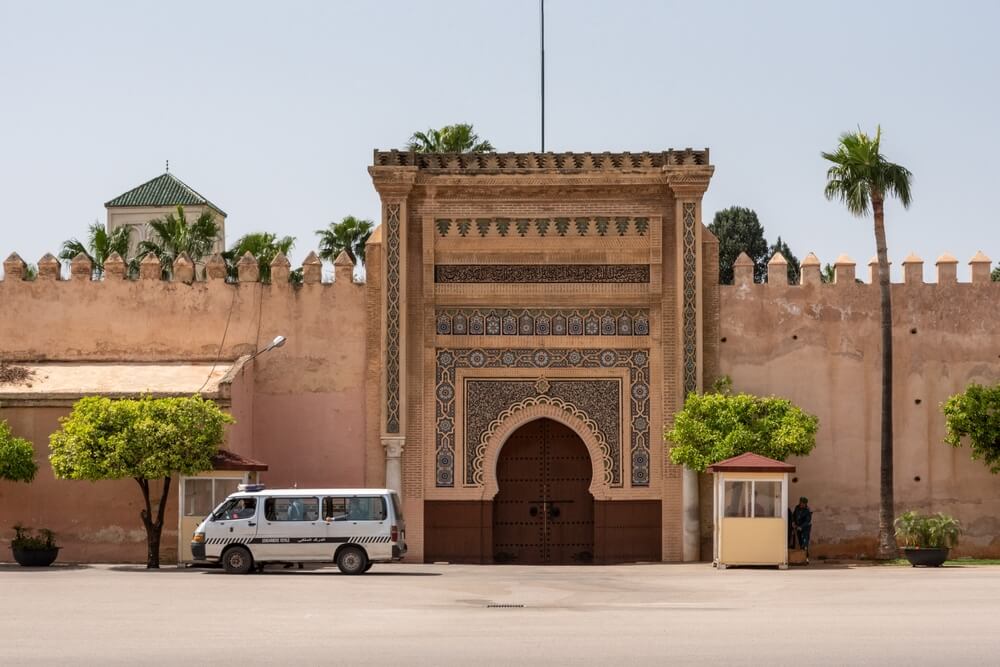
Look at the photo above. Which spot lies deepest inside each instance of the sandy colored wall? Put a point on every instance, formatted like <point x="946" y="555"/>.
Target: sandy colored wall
<point x="818" y="345"/>
<point x="93" y="521"/>
<point x="300" y="408"/>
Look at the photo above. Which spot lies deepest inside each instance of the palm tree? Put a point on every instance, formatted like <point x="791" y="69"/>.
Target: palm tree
<point x="862" y="178"/>
<point x="264" y="246"/>
<point x="172" y="235"/>
<point x="458" y="138"/>
<point x="349" y="235"/>
<point x="100" y="245"/>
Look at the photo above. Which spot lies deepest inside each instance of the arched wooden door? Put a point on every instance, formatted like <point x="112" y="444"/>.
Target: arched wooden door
<point x="543" y="512"/>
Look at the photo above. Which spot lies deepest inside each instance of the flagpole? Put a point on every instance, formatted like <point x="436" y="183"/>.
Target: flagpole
<point x="542" y="16"/>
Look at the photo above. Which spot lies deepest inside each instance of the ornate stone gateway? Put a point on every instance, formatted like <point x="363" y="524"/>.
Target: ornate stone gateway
<point x="560" y="292"/>
<point x="543" y="512"/>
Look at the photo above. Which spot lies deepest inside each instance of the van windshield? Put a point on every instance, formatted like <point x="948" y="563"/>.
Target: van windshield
<point x="235" y="508"/>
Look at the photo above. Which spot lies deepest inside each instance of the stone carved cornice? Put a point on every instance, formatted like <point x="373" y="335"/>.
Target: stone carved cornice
<point x="689" y="182"/>
<point x="526" y="162"/>
<point x="393" y="183"/>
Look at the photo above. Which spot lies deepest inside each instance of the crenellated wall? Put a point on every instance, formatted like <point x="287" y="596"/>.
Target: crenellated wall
<point x="818" y="344"/>
<point x="306" y="409"/>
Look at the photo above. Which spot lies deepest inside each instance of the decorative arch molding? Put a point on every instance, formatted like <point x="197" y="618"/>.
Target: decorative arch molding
<point x="539" y="407"/>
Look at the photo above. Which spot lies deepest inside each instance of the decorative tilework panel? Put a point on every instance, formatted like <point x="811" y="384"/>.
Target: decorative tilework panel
<point x="450" y="360"/>
<point x="600" y="400"/>
<point x="541" y="322"/>
<point x="392" y="316"/>
<point x="541" y="273"/>
<point x="690" y="299"/>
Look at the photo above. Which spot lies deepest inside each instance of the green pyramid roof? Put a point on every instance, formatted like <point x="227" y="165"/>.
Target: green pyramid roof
<point x="164" y="190"/>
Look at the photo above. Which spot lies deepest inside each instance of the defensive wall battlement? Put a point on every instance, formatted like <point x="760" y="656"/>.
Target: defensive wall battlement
<point x="818" y="344"/>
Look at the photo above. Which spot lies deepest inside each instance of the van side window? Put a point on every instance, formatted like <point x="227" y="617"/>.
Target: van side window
<point x="369" y="508"/>
<point x="291" y="509"/>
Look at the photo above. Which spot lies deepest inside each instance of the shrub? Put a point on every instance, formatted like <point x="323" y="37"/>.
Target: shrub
<point x="933" y="531"/>
<point x="17" y="456"/>
<point x="25" y="539"/>
<point x="717" y="425"/>
<point x="975" y="413"/>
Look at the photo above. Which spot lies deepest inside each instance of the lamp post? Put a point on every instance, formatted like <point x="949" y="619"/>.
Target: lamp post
<point x="277" y="342"/>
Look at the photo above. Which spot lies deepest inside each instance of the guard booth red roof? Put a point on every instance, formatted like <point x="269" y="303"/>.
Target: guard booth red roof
<point x="750" y="462"/>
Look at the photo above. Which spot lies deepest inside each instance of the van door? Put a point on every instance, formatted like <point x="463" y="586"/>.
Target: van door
<point x="291" y="530"/>
<point x="359" y="520"/>
<point x="235" y="521"/>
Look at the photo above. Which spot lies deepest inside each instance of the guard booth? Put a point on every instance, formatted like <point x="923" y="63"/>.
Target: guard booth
<point x="750" y="501"/>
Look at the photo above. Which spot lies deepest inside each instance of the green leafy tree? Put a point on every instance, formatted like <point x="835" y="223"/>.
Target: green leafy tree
<point x="717" y="425"/>
<point x="17" y="456"/>
<point x="30" y="271"/>
<point x="794" y="267"/>
<point x="172" y="235"/>
<point x="146" y="439"/>
<point x="975" y="414"/>
<point x="827" y="275"/>
<point x="265" y="246"/>
<point x="861" y="177"/>
<point x="458" y="138"/>
<point x="100" y="245"/>
<point x="739" y="230"/>
<point x="995" y="274"/>
<point x="349" y="235"/>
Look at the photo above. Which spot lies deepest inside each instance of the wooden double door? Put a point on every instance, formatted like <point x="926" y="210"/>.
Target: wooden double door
<point x="543" y="512"/>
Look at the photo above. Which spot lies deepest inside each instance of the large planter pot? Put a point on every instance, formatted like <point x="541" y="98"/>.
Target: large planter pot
<point x="928" y="557"/>
<point x="35" y="557"/>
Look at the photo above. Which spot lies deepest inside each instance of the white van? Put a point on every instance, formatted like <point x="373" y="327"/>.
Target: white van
<point x="350" y="527"/>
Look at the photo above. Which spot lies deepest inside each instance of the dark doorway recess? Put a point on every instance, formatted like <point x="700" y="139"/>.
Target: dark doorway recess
<point x="543" y="513"/>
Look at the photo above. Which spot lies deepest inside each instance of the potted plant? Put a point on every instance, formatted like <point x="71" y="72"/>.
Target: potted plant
<point x="34" y="549"/>
<point x="927" y="538"/>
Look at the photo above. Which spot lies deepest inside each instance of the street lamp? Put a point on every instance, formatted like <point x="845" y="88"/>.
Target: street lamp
<point x="277" y="342"/>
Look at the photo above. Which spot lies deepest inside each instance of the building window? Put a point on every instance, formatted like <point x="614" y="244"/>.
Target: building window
<point x="760" y="499"/>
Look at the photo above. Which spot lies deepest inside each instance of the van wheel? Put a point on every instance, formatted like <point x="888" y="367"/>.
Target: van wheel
<point x="352" y="560"/>
<point x="237" y="560"/>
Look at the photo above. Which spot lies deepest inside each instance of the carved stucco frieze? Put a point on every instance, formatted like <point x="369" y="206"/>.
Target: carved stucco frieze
<point x="542" y="322"/>
<point x="541" y="273"/>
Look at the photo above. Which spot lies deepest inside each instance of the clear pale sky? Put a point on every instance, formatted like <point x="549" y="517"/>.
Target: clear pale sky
<point x="271" y="110"/>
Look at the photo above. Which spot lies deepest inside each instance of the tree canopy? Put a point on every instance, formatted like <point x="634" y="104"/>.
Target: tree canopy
<point x="995" y="274"/>
<point x="17" y="456"/>
<point x="739" y="230"/>
<point x="794" y="267"/>
<point x="172" y="235"/>
<point x="264" y="246"/>
<point x="718" y="425"/>
<point x="145" y="439"/>
<point x="99" y="246"/>
<point x="349" y="235"/>
<point x="975" y="414"/>
<point x="457" y="138"/>
<point x="860" y="174"/>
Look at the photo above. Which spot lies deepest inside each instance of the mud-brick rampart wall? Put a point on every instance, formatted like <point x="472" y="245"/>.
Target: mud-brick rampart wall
<point x="819" y="345"/>
<point x="303" y="412"/>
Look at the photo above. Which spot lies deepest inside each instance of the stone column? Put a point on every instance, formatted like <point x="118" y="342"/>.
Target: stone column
<point x="393" y="465"/>
<point x="393" y="185"/>
<point x="688" y="188"/>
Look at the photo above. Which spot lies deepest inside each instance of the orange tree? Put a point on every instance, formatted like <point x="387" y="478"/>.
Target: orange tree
<point x="146" y="439"/>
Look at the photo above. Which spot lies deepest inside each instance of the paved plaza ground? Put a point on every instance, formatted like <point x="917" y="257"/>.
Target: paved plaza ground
<point x="441" y="615"/>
